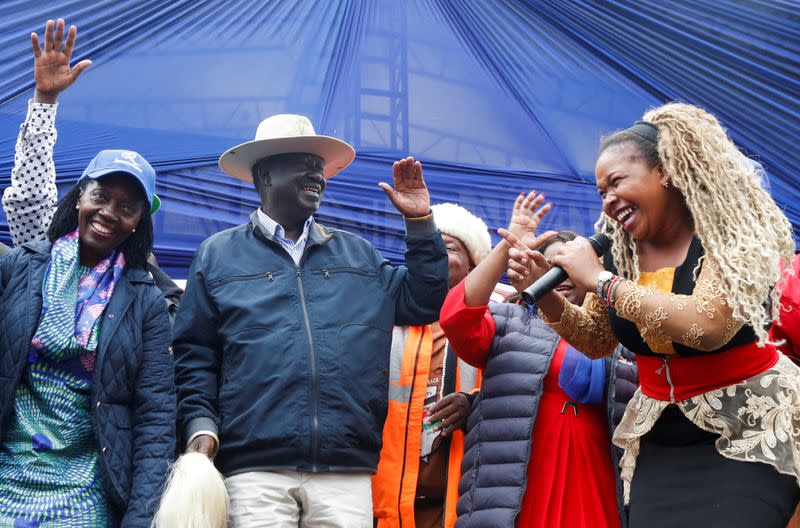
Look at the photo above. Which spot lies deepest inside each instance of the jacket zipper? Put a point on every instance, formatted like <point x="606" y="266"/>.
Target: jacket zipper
<point x="219" y="282"/>
<point x="350" y="269"/>
<point x="327" y="272"/>
<point x="665" y="368"/>
<point x="314" y="381"/>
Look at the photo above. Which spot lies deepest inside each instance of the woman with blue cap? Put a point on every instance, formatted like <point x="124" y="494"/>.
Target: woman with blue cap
<point x="87" y="402"/>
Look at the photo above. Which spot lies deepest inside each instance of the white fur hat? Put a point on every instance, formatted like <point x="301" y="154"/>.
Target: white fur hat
<point x="454" y="220"/>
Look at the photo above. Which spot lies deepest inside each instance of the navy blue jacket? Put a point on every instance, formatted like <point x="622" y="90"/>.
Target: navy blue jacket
<point x="497" y="447"/>
<point x="133" y="395"/>
<point x="289" y="364"/>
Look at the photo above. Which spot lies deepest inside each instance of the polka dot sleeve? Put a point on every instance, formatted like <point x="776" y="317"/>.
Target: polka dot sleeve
<point x="30" y="201"/>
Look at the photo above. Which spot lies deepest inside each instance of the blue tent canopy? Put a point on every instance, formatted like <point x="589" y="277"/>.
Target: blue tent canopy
<point x="494" y="97"/>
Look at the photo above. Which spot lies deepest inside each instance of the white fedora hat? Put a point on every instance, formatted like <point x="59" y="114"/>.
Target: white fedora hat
<point x="286" y="134"/>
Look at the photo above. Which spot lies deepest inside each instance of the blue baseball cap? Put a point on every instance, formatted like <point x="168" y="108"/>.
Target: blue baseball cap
<point x="129" y="162"/>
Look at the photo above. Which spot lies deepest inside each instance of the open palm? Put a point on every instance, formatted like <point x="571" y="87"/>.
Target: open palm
<point x="52" y="71"/>
<point x="409" y="194"/>
<point x="526" y="217"/>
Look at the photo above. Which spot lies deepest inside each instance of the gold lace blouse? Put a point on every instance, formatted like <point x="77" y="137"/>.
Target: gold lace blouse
<point x="662" y="317"/>
<point x="757" y="420"/>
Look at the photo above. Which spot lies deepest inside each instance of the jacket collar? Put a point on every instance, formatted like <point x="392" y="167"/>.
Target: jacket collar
<point x="317" y="234"/>
<point x="40" y="247"/>
<point x="134" y="275"/>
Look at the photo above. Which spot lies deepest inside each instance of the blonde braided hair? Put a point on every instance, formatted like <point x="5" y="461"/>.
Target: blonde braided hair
<point x="741" y="228"/>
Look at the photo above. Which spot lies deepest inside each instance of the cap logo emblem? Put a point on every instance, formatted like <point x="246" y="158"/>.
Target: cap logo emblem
<point x="130" y="160"/>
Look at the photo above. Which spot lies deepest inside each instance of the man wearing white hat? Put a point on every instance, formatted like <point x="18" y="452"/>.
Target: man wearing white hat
<point x="282" y="341"/>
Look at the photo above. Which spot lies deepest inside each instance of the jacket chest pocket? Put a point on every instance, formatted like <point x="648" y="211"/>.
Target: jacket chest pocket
<point x="357" y="294"/>
<point x="347" y="284"/>
<point x="345" y="273"/>
<point x="236" y="290"/>
<point x="251" y="300"/>
<point x="268" y="276"/>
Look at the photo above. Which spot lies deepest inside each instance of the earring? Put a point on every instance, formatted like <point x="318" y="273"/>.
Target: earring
<point x="134" y="230"/>
<point x="77" y="206"/>
<point x="666" y="184"/>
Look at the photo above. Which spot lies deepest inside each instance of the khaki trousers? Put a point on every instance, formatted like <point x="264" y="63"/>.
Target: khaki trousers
<point x="288" y="499"/>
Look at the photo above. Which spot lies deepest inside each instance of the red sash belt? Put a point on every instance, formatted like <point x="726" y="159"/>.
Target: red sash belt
<point x="679" y="378"/>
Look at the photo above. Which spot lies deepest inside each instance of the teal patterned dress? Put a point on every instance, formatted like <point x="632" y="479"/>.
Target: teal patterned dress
<point x="49" y="459"/>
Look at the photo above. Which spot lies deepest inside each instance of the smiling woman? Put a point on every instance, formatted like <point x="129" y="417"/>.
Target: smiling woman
<point x="111" y="207"/>
<point x="90" y="274"/>
<point x="86" y="375"/>
<point x="109" y="210"/>
<point x="690" y="286"/>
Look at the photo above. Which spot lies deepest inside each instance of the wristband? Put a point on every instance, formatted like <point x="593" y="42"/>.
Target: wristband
<point x="422" y="218"/>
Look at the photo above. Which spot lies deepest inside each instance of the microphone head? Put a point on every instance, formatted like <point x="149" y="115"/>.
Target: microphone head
<point x="600" y="243"/>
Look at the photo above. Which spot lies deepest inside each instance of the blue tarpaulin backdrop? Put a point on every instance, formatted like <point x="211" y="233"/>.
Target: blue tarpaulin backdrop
<point x="495" y="97"/>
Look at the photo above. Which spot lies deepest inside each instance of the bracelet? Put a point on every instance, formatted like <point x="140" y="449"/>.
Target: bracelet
<point x="611" y="292"/>
<point x="607" y="290"/>
<point x="422" y="218"/>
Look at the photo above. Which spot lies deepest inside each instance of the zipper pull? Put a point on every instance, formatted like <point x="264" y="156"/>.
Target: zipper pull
<point x="297" y="272"/>
<point x="326" y="274"/>
<point x="269" y="276"/>
<point x="661" y="368"/>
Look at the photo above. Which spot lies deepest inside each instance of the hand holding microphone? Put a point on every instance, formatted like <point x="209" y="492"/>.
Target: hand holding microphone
<point x="534" y="277"/>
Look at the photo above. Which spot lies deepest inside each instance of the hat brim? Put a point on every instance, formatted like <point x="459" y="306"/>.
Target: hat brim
<point x="155" y="203"/>
<point x="335" y="153"/>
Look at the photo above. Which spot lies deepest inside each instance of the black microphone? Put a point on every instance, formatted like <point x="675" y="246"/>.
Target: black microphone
<point x="557" y="275"/>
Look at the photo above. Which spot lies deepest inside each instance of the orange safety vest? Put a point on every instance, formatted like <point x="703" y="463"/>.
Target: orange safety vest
<point x="394" y="486"/>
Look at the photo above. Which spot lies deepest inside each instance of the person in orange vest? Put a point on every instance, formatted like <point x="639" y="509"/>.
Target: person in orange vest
<point x="430" y="398"/>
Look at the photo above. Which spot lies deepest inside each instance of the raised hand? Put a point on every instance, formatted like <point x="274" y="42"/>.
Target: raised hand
<point x="51" y="66"/>
<point x="410" y="194"/>
<point x="526" y="215"/>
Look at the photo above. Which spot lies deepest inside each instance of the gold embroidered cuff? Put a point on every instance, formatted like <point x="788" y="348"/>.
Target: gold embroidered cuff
<point x="585" y="327"/>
